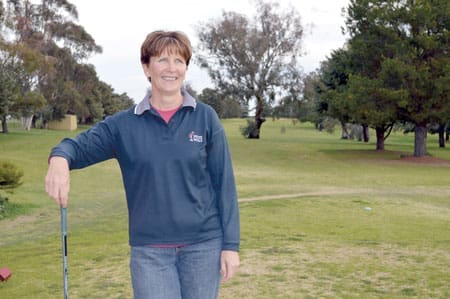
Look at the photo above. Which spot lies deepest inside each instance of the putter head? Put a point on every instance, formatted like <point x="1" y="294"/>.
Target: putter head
<point x="5" y="274"/>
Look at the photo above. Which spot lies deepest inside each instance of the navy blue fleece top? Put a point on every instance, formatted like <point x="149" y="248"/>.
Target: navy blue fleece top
<point x="178" y="176"/>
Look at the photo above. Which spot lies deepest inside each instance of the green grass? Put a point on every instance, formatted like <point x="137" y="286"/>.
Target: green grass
<point x="11" y="210"/>
<point x="306" y="228"/>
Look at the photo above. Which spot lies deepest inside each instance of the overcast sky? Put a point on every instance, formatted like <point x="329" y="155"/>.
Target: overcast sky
<point x="121" y="26"/>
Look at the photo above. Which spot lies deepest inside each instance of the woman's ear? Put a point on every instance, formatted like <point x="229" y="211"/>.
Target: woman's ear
<point x="146" y="68"/>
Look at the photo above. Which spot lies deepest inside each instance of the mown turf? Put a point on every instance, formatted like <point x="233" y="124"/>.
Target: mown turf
<point x="321" y="218"/>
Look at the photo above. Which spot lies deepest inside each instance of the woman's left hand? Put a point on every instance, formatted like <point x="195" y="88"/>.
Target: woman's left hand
<point x="229" y="264"/>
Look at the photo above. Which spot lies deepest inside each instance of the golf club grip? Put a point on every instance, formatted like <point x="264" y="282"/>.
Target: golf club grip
<point x="65" y="245"/>
<point x="64" y="250"/>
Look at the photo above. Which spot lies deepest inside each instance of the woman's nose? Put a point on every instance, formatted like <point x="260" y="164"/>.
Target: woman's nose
<point x="172" y="65"/>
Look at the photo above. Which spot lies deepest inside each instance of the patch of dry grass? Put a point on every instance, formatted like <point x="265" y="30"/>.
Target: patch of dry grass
<point x="332" y="270"/>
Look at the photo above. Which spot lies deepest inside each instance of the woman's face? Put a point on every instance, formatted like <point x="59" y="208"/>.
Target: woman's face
<point x="167" y="73"/>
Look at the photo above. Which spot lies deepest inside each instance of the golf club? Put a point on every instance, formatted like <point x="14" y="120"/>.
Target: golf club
<point x="64" y="250"/>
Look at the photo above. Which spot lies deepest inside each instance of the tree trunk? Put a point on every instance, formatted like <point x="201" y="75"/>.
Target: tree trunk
<point x="344" y="134"/>
<point x="420" y="138"/>
<point x="4" y="125"/>
<point x="26" y="122"/>
<point x="259" y="119"/>
<point x="365" y="133"/>
<point x="44" y="124"/>
<point x="441" y="131"/>
<point x="380" y="138"/>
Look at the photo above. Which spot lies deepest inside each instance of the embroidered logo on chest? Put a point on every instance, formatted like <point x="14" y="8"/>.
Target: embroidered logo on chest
<point x="195" y="138"/>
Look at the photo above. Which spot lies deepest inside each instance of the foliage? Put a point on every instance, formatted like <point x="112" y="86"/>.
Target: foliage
<point x="253" y="59"/>
<point x="225" y="106"/>
<point x="334" y="75"/>
<point x="9" y="87"/>
<point x="20" y="64"/>
<point x="310" y="106"/>
<point x="394" y="68"/>
<point x="10" y="176"/>
<point x="110" y="100"/>
<point x="46" y="48"/>
<point x="30" y="102"/>
<point x="400" y="64"/>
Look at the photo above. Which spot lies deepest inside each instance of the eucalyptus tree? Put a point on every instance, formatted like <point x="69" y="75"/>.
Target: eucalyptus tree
<point x="50" y="28"/>
<point x="252" y="58"/>
<point x="9" y="85"/>
<point x="26" y="106"/>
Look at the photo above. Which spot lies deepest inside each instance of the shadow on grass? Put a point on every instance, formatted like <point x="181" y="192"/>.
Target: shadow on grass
<point x="361" y="154"/>
<point x="386" y="156"/>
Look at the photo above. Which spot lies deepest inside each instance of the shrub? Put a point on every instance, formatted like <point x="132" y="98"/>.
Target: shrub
<point x="246" y="131"/>
<point x="10" y="176"/>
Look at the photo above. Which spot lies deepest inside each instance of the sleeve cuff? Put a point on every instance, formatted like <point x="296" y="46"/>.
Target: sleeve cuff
<point x="230" y="246"/>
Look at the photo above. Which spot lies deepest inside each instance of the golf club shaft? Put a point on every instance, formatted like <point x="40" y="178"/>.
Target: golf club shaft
<point x="64" y="250"/>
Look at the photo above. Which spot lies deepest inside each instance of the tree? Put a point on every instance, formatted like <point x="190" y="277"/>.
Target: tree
<point x="21" y="65"/>
<point x="49" y="27"/>
<point x="400" y="55"/>
<point x="225" y="106"/>
<point x="10" y="70"/>
<point x="252" y="59"/>
<point x="309" y="105"/>
<point x="334" y="75"/>
<point x="291" y="101"/>
<point x="374" y="42"/>
<point x="287" y="107"/>
<point x="111" y="101"/>
<point x="27" y="105"/>
<point x="49" y="22"/>
<point x="46" y="49"/>
<point x="428" y="81"/>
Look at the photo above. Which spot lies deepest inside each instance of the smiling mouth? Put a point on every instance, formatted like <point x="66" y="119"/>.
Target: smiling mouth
<point x="167" y="78"/>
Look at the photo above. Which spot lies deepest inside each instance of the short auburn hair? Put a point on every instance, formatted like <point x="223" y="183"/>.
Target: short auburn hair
<point x="172" y="41"/>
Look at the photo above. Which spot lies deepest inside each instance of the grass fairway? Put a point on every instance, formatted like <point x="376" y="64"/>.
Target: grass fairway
<point x="321" y="218"/>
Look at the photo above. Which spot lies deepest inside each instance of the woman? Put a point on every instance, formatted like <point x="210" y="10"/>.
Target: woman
<point x="178" y="178"/>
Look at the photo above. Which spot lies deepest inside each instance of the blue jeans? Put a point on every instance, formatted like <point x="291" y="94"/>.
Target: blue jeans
<point x="188" y="272"/>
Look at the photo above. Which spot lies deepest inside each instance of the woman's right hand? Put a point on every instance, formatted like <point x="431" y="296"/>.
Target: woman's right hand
<point x="57" y="181"/>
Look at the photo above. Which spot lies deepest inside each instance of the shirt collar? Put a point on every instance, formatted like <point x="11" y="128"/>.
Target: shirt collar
<point x="144" y="105"/>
